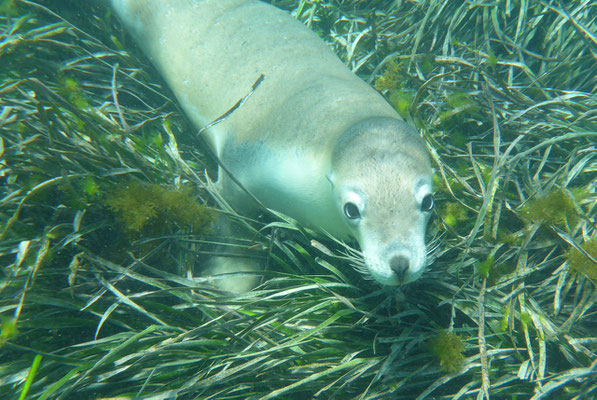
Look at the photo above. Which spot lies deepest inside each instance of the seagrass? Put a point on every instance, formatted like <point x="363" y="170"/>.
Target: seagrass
<point x="102" y="279"/>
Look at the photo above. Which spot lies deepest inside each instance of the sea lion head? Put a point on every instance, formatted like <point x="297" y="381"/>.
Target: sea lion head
<point x="381" y="178"/>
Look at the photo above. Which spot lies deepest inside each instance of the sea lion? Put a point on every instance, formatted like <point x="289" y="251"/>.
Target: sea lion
<point x="314" y="141"/>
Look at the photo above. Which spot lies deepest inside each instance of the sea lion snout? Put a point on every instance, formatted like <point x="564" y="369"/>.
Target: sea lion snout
<point x="395" y="263"/>
<point x="400" y="265"/>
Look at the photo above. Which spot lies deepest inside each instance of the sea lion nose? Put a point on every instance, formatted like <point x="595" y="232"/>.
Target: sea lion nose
<point x="399" y="264"/>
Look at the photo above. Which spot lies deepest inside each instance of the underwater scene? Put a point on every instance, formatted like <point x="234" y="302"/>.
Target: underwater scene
<point x="110" y="210"/>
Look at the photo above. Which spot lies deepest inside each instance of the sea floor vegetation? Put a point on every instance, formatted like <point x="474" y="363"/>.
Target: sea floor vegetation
<point x="107" y="207"/>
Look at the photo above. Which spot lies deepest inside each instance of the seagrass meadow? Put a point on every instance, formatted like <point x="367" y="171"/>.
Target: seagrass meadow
<point x="107" y="202"/>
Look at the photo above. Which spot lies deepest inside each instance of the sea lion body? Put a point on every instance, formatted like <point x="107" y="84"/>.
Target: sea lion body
<point x="285" y="144"/>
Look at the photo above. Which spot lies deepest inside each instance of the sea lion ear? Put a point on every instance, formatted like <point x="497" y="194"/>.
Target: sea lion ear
<point x="330" y="178"/>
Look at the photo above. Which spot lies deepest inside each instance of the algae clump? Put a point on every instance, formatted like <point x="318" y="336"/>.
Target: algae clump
<point x="401" y="101"/>
<point x="391" y="78"/>
<point x="153" y="209"/>
<point x="580" y="263"/>
<point x="73" y="92"/>
<point x="483" y="268"/>
<point x="394" y="81"/>
<point x="447" y="347"/>
<point x="454" y="213"/>
<point x="554" y="208"/>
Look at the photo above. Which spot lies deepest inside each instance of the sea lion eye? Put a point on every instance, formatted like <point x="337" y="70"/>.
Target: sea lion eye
<point x="351" y="211"/>
<point x="427" y="203"/>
